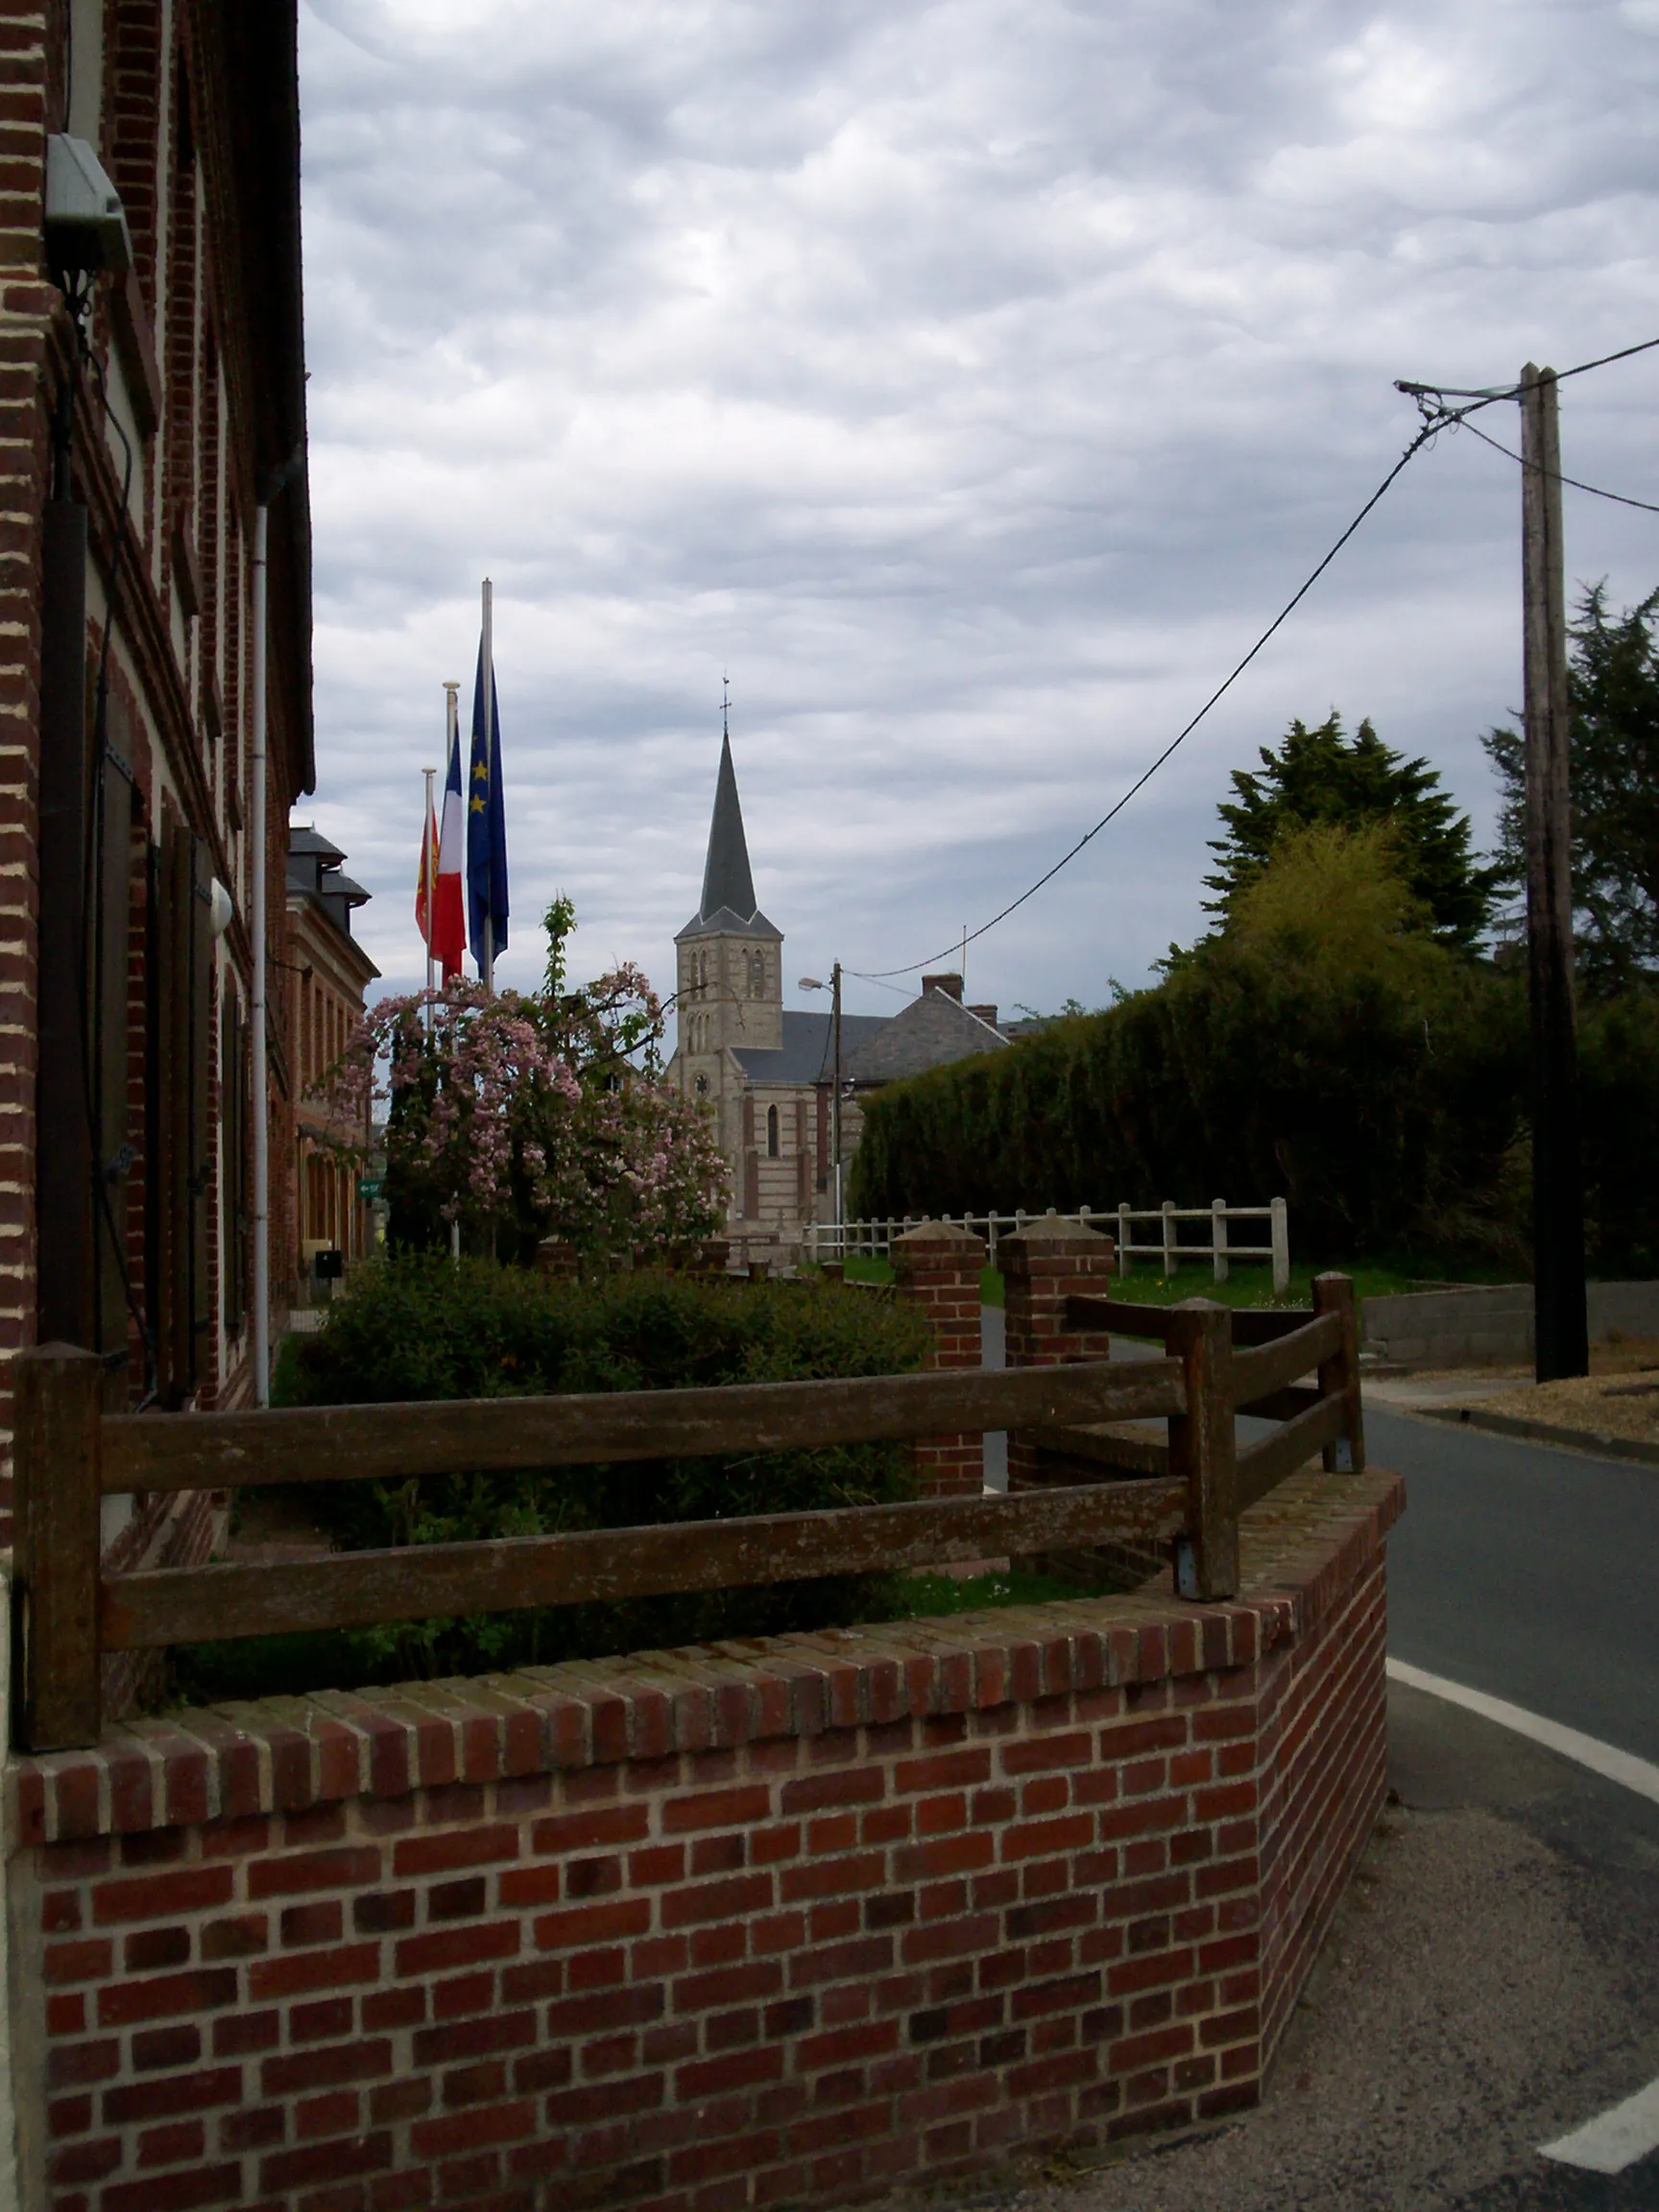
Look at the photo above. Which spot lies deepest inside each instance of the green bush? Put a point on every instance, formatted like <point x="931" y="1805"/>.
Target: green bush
<point x="1386" y="1115"/>
<point x="1618" y="1113"/>
<point x="419" y="1327"/>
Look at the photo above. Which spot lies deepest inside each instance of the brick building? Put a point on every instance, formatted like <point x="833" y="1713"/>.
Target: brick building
<point x="326" y="977"/>
<point x="154" y="382"/>
<point x="768" y="1072"/>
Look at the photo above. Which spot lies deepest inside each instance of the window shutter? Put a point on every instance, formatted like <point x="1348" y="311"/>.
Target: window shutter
<point x="233" y="1155"/>
<point x="202" y="1334"/>
<point x="180" y="1148"/>
<point x="111" y="1044"/>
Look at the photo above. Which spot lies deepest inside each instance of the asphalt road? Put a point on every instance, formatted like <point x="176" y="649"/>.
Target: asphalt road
<point x="1527" y="1573"/>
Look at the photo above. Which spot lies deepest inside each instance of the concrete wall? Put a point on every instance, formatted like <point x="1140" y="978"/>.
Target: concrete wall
<point x="710" y="1930"/>
<point x="1491" y="1325"/>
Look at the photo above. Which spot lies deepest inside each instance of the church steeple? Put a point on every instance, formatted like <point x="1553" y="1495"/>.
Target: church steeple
<point x="727" y="880"/>
<point x="729" y="957"/>
<point x="728" y="904"/>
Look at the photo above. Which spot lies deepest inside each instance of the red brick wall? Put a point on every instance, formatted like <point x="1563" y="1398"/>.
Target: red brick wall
<point x="1050" y="1261"/>
<point x="938" y="1269"/>
<point x="797" y="1921"/>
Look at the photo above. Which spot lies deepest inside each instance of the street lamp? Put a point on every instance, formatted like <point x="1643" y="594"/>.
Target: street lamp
<point x="812" y="983"/>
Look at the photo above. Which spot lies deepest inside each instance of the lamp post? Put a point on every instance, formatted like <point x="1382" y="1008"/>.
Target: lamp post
<point x="812" y="983"/>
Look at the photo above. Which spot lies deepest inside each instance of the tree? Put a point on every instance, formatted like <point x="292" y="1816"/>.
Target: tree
<point x="1613" y="684"/>
<point x="520" y="1116"/>
<point x="1333" y="904"/>
<point x="1321" y="776"/>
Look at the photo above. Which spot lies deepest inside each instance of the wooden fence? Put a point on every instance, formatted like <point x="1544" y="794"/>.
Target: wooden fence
<point x="873" y="1238"/>
<point x="69" y="1457"/>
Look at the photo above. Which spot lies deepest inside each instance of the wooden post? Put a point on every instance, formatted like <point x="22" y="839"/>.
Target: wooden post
<point x="1171" y="1239"/>
<point x="1561" y="1333"/>
<point x="1280" y="1241"/>
<point x="1124" y="1233"/>
<point x="1219" y="1238"/>
<point x="1202" y="1451"/>
<point x="1339" y="1375"/>
<point x="59" y="1392"/>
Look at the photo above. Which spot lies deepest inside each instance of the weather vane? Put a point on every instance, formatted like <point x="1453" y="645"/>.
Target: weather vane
<point x="725" y="705"/>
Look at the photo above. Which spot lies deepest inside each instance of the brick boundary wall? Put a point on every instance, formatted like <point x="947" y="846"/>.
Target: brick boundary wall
<point x="1050" y="1259"/>
<point x="938" y="1271"/>
<point x="776" y="1923"/>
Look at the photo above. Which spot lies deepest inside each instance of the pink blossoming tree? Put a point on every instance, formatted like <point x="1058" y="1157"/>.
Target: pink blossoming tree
<point x="528" y="1116"/>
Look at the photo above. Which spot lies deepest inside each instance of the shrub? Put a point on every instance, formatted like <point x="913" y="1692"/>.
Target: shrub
<point x="1380" y="1115"/>
<point x="419" y="1327"/>
<point x="1619" y="1112"/>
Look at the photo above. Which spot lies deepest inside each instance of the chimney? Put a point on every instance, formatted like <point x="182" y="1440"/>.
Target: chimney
<point x="985" y="1014"/>
<point x="949" y="985"/>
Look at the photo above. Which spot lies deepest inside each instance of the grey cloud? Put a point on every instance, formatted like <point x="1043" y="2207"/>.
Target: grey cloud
<point x="975" y="381"/>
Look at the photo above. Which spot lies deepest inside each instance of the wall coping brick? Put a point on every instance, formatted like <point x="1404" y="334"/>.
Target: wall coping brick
<point x="1303" y="1548"/>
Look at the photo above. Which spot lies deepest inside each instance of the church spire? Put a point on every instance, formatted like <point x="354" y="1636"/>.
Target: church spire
<point x="727" y="880"/>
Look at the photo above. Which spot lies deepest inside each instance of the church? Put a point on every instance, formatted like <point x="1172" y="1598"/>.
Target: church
<point x="768" y="1071"/>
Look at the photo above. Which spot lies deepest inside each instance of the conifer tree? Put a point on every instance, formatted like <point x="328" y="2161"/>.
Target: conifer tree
<point x="1613" y="681"/>
<point x="1323" y="776"/>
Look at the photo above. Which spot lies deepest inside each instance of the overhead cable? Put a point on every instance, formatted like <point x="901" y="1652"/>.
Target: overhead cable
<point x="1437" y="417"/>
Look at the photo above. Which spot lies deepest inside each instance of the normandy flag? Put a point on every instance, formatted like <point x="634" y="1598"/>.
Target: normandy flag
<point x="447" y="939"/>
<point x="426" y="880"/>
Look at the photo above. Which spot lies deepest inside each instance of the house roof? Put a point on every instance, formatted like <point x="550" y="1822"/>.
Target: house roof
<point x="807" y="1055"/>
<point x="930" y="1032"/>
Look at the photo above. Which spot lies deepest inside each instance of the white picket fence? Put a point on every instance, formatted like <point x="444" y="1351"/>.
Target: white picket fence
<point x="872" y="1239"/>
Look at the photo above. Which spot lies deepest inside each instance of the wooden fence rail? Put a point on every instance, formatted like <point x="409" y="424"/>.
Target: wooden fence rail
<point x="69" y="1456"/>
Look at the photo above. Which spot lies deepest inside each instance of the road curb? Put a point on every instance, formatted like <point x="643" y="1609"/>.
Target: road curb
<point x="1539" y="1432"/>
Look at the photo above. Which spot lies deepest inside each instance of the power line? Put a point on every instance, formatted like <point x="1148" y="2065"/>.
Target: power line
<point x="1429" y="430"/>
<point x="1487" y="395"/>
<point x="1648" y="506"/>
<point x="1437" y="418"/>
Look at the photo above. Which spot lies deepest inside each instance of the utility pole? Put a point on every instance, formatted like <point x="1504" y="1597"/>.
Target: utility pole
<point x="835" y="1099"/>
<point x="1561" y="1331"/>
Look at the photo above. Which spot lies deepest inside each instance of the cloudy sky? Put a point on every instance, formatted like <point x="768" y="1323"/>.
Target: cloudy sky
<point x="972" y="381"/>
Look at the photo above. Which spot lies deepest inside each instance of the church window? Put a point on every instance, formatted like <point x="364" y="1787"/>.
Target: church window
<point x="701" y="1086"/>
<point x="701" y="973"/>
<point x="773" y="1146"/>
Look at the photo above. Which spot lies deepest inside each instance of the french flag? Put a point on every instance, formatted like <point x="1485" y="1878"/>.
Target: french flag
<point x="449" y="938"/>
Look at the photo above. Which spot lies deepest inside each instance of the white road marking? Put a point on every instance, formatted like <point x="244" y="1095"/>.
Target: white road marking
<point x="1616" y="2139"/>
<point x="1604" y="1759"/>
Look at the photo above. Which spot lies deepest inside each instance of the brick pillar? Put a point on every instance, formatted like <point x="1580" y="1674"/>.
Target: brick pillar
<point x="938" y="1269"/>
<point x="1047" y="1261"/>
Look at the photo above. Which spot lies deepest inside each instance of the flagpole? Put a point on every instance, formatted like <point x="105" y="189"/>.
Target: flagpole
<point x="429" y="870"/>
<point x="486" y="965"/>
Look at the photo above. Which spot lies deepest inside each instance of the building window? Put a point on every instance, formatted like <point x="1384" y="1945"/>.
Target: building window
<point x="773" y="1146"/>
<point x="701" y="975"/>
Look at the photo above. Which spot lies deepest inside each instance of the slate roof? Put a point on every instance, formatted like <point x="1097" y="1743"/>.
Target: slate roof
<point x="930" y="1032"/>
<point x="728" y="902"/>
<point x="807" y="1055"/>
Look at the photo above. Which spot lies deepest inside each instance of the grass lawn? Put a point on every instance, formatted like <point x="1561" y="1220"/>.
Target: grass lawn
<point x="929" y="1595"/>
<point x="1249" y="1282"/>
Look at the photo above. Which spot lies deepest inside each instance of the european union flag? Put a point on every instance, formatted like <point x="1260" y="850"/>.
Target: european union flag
<point x="486" y="829"/>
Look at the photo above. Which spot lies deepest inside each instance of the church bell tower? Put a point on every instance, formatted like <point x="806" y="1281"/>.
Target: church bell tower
<point x="729" y="960"/>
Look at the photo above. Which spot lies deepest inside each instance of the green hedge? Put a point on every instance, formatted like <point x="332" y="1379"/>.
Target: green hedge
<point x="1393" y="1120"/>
<point x="419" y="1327"/>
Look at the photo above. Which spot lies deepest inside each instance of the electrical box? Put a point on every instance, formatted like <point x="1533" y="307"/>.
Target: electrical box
<point x="86" y="222"/>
